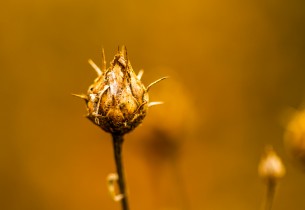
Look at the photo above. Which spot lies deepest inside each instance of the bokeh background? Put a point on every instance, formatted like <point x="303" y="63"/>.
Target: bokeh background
<point x="236" y="70"/>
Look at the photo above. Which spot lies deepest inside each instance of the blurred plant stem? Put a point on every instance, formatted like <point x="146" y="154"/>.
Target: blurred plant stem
<point x="117" y="147"/>
<point x="271" y="187"/>
<point x="271" y="170"/>
<point x="180" y="185"/>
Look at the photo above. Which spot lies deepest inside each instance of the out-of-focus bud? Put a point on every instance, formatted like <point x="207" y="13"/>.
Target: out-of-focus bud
<point x="164" y="138"/>
<point x="295" y="137"/>
<point x="271" y="167"/>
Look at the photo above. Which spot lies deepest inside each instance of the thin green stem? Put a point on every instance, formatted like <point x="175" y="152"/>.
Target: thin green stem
<point x="117" y="147"/>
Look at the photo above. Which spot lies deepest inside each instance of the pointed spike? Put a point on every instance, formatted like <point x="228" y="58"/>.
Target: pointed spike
<point x="140" y="74"/>
<point x="103" y="60"/>
<point x="82" y="96"/>
<point x="123" y="57"/>
<point x="155" y="82"/>
<point x="95" y="67"/>
<point x="150" y="104"/>
<point x="126" y="57"/>
<point x="125" y="52"/>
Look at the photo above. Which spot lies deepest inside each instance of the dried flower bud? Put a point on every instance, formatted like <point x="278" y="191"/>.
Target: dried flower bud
<point x="117" y="101"/>
<point x="271" y="166"/>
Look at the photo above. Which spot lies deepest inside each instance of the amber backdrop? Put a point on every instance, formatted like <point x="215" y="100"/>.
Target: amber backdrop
<point x="236" y="67"/>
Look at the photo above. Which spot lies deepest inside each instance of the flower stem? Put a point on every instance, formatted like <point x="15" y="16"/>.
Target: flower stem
<point x="117" y="147"/>
<point x="271" y="187"/>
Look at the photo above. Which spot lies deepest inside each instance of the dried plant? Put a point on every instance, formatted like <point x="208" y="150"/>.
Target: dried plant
<point x="117" y="102"/>
<point x="295" y="138"/>
<point x="270" y="169"/>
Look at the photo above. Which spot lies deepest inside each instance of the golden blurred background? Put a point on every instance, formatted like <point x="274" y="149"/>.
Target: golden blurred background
<point x="236" y="69"/>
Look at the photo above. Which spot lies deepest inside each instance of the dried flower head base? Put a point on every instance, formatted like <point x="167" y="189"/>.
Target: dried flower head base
<point x="271" y="170"/>
<point x="117" y="102"/>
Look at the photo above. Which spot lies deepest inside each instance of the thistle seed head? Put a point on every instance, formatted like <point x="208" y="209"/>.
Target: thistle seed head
<point x="117" y="101"/>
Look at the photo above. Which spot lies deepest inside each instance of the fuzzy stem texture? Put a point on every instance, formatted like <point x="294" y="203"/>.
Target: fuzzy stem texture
<point x="117" y="147"/>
